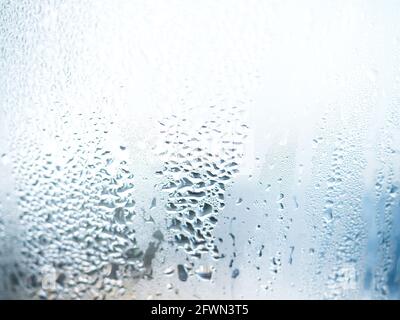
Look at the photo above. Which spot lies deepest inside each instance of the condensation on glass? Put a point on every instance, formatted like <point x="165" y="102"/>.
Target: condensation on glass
<point x="213" y="149"/>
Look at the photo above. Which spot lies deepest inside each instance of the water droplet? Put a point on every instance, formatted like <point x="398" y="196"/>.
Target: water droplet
<point x="204" y="272"/>
<point x="235" y="273"/>
<point x="182" y="274"/>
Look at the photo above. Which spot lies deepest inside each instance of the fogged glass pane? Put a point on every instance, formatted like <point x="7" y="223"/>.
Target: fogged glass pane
<point x="199" y="149"/>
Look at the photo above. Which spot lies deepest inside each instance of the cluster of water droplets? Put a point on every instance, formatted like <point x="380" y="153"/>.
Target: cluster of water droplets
<point x="77" y="213"/>
<point x="200" y="161"/>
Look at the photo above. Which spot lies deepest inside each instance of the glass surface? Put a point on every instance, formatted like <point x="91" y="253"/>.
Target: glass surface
<point x="199" y="149"/>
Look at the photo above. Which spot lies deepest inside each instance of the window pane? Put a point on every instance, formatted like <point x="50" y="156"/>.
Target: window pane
<point x="199" y="150"/>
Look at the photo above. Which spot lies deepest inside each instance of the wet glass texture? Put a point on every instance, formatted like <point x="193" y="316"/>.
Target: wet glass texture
<point x="199" y="149"/>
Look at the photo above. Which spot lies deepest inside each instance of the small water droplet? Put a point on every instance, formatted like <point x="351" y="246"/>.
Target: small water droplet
<point x="182" y="274"/>
<point x="235" y="273"/>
